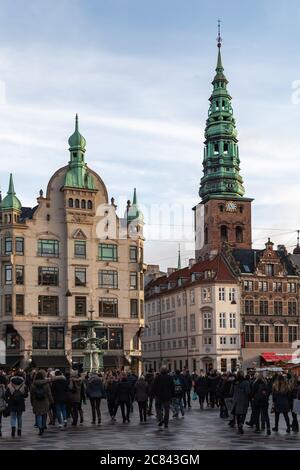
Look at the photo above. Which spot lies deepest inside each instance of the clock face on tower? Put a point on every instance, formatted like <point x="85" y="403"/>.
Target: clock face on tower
<point x="231" y="206"/>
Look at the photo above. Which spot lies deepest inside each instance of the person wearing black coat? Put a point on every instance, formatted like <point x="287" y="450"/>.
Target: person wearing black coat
<point x="111" y="396"/>
<point x="15" y="395"/>
<point x="123" y="395"/>
<point x="188" y="383"/>
<point x="260" y="392"/>
<point x="60" y="391"/>
<point x="281" y="401"/>
<point x="163" y="391"/>
<point x="213" y="380"/>
<point x="201" y="388"/>
<point x="293" y="395"/>
<point x="149" y="377"/>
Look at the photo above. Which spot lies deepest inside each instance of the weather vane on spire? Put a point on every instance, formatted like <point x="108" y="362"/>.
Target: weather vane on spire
<point x="219" y="39"/>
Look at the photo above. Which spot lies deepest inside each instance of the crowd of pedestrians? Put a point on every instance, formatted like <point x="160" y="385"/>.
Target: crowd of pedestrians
<point x="56" y="398"/>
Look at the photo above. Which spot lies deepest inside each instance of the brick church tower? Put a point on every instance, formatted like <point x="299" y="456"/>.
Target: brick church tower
<point x="224" y="214"/>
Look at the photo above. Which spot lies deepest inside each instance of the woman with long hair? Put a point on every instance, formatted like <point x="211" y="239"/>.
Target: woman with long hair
<point x="281" y="402"/>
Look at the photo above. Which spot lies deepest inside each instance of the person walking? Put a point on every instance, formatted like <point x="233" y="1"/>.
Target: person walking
<point x="149" y="377"/>
<point x="163" y="391"/>
<point x="280" y="392"/>
<point x="76" y="392"/>
<point x="241" y="396"/>
<point x="179" y="390"/>
<point x="260" y="392"/>
<point x="95" y="392"/>
<point x="41" y="399"/>
<point x="188" y="383"/>
<point x="141" y="395"/>
<point x="111" y="387"/>
<point x="3" y="403"/>
<point x="201" y="388"/>
<point x="59" y="390"/>
<point x="123" y="396"/>
<point x="15" y="395"/>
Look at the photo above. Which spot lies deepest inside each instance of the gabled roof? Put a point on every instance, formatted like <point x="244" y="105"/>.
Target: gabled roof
<point x="247" y="260"/>
<point x="222" y="273"/>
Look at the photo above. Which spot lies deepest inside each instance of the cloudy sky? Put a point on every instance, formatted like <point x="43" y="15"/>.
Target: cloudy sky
<point x="138" y="73"/>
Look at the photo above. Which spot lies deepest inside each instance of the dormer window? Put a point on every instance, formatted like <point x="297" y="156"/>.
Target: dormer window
<point x="270" y="269"/>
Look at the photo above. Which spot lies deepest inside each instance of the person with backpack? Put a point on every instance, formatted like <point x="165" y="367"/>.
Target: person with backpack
<point x="15" y="395"/>
<point x="177" y="399"/>
<point x="59" y="390"/>
<point x="3" y="404"/>
<point x="41" y="399"/>
<point x="95" y="392"/>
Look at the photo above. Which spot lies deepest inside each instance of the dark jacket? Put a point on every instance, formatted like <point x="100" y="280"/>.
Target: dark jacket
<point x="94" y="387"/>
<point x="76" y="389"/>
<point x="111" y="391"/>
<point x="260" y="392"/>
<point x="187" y="381"/>
<point x="41" y="406"/>
<point x="241" y="396"/>
<point x="281" y="401"/>
<point x="163" y="387"/>
<point x="149" y="377"/>
<point x="16" y="393"/>
<point x="124" y="391"/>
<point x="201" y="386"/>
<point x="141" y="390"/>
<point x="59" y="389"/>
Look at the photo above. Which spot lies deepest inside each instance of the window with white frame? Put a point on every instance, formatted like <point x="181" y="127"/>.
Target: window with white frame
<point x="178" y="300"/>
<point x="179" y="324"/>
<point x="168" y="327"/>
<point x="222" y="293"/>
<point x="173" y="325"/>
<point x="158" y="306"/>
<point x="193" y="342"/>
<point x="168" y="304"/>
<point x="163" y="303"/>
<point x="232" y="320"/>
<point x="222" y="317"/>
<point x="207" y="321"/>
<point x="174" y="344"/>
<point x="222" y="339"/>
<point x="184" y="324"/>
<point x="232" y="294"/>
<point x="207" y="340"/>
<point x="192" y="296"/>
<point x="163" y="327"/>
<point x="192" y="322"/>
<point x="153" y="307"/>
<point x="185" y="342"/>
<point x="173" y="301"/>
<point x="154" y="328"/>
<point x="183" y="298"/>
<point x="233" y="340"/>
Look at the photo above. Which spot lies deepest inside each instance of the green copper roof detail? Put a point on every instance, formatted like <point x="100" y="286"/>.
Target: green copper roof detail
<point x="11" y="201"/>
<point x="134" y="213"/>
<point x="221" y="163"/>
<point x="78" y="175"/>
<point x="77" y="141"/>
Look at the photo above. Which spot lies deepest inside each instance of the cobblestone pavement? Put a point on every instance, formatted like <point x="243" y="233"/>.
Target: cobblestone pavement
<point x="198" y="430"/>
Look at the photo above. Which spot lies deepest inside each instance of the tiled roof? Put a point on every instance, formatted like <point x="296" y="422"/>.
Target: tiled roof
<point x="247" y="260"/>
<point x="217" y="265"/>
<point x="27" y="212"/>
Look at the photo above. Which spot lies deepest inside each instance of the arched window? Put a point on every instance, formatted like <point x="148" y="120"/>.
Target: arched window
<point x="83" y="204"/>
<point x="77" y="203"/>
<point x="224" y="233"/>
<point x="89" y="204"/>
<point x="239" y="234"/>
<point x="70" y="202"/>
<point x="205" y="235"/>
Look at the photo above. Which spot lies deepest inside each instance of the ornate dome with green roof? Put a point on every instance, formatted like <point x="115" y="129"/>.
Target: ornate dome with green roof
<point x="78" y="175"/>
<point x="11" y="202"/>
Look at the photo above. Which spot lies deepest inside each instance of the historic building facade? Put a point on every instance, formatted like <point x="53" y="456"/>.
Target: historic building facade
<point x="268" y="279"/>
<point x="67" y="259"/>
<point x="192" y="318"/>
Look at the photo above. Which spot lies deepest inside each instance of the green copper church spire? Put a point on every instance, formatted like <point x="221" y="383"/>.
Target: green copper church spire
<point x="134" y="213"/>
<point x="77" y="175"/>
<point x="11" y="201"/>
<point x="221" y="164"/>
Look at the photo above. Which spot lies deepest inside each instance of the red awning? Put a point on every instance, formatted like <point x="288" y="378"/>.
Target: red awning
<point x="276" y="357"/>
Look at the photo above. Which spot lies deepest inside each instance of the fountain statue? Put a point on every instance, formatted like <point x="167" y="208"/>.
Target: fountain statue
<point x="93" y="352"/>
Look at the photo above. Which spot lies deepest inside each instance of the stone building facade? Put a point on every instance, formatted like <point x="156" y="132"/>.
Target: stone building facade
<point x="67" y="259"/>
<point x="192" y="319"/>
